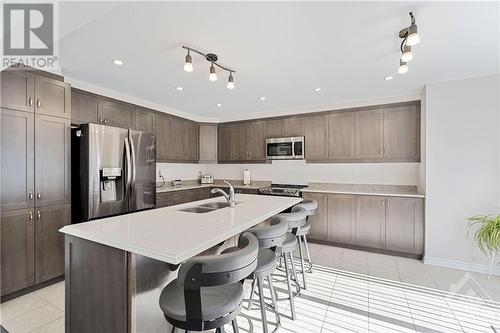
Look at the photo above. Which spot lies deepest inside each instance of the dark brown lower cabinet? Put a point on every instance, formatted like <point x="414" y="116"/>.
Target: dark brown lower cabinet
<point x="389" y="223"/>
<point x="404" y="225"/>
<point x="318" y="221"/>
<point x="17" y="250"/>
<point x="32" y="248"/>
<point x="49" y="242"/>
<point x="341" y="218"/>
<point x="171" y="198"/>
<point x="370" y="221"/>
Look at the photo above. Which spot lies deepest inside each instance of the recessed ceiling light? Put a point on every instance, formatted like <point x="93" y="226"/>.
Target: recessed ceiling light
<point x="263" y="98"/>
<point x="317" y="89"/>
<point x="118" y="62"/>
<point x="179" y="88"/>
<point x="387" y="78"/>
<point x="219" y="105"/>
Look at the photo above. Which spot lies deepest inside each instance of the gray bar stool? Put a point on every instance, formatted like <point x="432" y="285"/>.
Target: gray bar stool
<point x="269" y="238"/>
<point x="310" y="205"/>
<point x="286" y="252"/>
<point x="207" y="293"/>
<point x="296" y="220"/>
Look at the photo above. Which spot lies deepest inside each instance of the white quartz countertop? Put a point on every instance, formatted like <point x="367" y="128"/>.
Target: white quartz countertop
<point x="174" y="236"/>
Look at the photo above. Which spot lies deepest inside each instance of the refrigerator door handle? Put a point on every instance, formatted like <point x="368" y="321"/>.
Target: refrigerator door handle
<point x="134" y="165"/>
<point x="128" y="166"/>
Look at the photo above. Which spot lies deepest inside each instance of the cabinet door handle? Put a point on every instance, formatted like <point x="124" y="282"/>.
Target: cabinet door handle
<point x="30" y="102"/>
<point x="38" y="195"/>
<point x="39" y="216"/>
<point x="38" y="102"/>
<point x="104" y="121"/>
<point x="30" y="196"/>
<point x="31" y="218"/>
<point x="388" y="203"/>
<point x="383" y="203"/>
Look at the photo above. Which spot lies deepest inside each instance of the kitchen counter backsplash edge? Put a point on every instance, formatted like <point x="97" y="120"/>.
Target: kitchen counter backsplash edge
<point x="195" y="183"/>
<point x="359" y="189"/>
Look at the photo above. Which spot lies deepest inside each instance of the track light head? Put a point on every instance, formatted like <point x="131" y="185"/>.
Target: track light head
<point x="406" y="56"/>
<point x="213" y="76"/>
<point x="413" y="37"/>
<point x="403" y="67"/>
<point x="230" y="81"/>
<point x="188" y="63"/>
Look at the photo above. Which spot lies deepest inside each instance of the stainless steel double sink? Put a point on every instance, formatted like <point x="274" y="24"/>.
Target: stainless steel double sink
<point x="206" y="207"/>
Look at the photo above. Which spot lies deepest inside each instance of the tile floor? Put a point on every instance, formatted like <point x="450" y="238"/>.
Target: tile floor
<point x="349" y="291"/>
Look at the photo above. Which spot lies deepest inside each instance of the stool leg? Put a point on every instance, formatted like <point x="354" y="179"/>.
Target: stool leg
<point x="307" y="252"/>
<point x="235" y="326"/>
<point x="273" y="297"/>
<point x="251" y="294"/>
<point x="290" y="290"/>
<point x="262" y="305"/>
<point x="294" y="271"/>
<point x="221" y="329"/>
<point x="302" y="262"/>
<point x="173" y="329"/>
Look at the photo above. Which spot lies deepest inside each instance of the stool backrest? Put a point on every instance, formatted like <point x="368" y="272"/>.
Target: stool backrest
<point x="296" y="218"/>
<point x="272" y="235"/>
<point x="215" y="270"/>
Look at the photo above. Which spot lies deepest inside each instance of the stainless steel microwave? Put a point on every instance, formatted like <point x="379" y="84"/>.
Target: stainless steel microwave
<point x="291" y="148"/>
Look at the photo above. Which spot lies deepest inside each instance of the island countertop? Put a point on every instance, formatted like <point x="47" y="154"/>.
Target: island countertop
<point x="173" y="236"/>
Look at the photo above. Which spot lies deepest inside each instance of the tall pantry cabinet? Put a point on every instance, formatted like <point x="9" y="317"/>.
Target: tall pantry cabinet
<point x="35" y="117"/>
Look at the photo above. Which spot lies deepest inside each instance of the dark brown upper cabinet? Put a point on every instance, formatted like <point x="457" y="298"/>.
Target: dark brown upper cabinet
<point x="316" y="138"/>
<point x="274" y="128"/>
<point x="17" y="160"/>
<point x="224" y="136"/>
<point x="178" y="139"/>
<point x="257" y="140"/>
<point x="369" y="134"/>
<point x="17" y="241"/>
<point x="162" y="133"/>
<point x="341" y="136"/>
<point x="293" y="126"/>
<point x="52" y="160"/>
<point x="52" y="97"/>
<point x="114" y="113"/>
<point x="17" y="90"/>
<point x="240" y="142"/>
<point x="401" y="133"/>
<point x="144" y="120"/>
<point x="193" y="141"/>
<point x="84" y="107"/>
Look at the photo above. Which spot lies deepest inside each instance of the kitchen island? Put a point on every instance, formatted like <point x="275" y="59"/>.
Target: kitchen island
<point x="116" y="267"/>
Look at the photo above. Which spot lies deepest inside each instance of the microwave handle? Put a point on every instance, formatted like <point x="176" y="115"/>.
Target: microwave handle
<point x="293" y="149"/>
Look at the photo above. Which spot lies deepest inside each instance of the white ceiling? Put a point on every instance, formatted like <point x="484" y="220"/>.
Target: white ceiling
<point x="281" y="50"/>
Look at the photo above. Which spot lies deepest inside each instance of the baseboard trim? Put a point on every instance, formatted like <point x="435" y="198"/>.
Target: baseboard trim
<point x="367" y="249"/>
<point x="461" y="265"/>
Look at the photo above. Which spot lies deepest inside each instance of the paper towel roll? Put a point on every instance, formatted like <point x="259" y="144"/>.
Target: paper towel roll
<point x="246" y="177"/>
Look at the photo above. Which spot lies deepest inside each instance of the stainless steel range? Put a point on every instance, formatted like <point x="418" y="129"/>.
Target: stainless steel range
<point x="287" y="190"/>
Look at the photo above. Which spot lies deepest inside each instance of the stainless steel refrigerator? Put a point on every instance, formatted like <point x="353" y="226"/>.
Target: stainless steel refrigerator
<point x="113" y="171"/>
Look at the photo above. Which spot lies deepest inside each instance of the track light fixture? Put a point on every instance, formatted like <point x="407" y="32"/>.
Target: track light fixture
<point x="410" y="38"/>
<point x="212" y="58"/>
